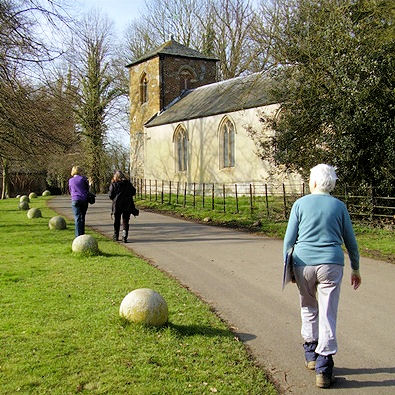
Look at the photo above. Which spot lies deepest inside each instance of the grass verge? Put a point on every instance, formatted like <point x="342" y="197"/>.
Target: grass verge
<point x="60" y="331"/>
<point x="375" y="242"/>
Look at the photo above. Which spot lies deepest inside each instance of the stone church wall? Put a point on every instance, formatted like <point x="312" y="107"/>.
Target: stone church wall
<point x="141" y="113"/>
<point x="203" y="152"/>
<point x="204" y="73"/>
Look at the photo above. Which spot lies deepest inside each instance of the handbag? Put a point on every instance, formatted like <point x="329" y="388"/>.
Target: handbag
<point x="288" y="274"/>
<point x="91" y="198"/>
<point x="135" y="211"/>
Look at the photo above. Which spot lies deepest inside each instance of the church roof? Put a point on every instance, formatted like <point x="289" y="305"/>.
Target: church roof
<point x="218" y="98"/>
<point x="172" y="48"/>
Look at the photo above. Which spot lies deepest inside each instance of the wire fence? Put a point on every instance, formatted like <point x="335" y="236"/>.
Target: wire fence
<point x="259" y="199"/>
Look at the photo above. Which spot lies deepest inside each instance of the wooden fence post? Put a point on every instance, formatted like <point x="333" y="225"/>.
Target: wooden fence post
<point x="346" y="195"/>
<point x="185" y="194"/>
<point x="145" y="189"/>
<point x="251" y="206"/>
<point x="161" y="195"/>
<point x="156" y="190"/>
<point x="285" y="202"/>
<point x="194" y="195"/>
<point x="212" y="198"/>
<point x="204" y="187"/>
<point x="178" y="190"/>
<point x="267" y="201"/>
<point x="169" y="192"/>
<point x="237" y="200"/>
<point x="150" y="192"/>
<point x="223" y="193"/>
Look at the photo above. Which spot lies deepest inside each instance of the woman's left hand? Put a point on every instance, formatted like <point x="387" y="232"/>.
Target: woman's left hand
<point x="355" y="279"/>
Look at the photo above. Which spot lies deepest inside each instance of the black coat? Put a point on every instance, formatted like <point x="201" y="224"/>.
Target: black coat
<point x="121" y="193"/>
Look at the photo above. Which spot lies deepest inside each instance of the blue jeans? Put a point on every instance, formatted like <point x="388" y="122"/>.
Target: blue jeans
<point x="79" y="210"/>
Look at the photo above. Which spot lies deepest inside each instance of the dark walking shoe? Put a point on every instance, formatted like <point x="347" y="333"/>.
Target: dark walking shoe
<point x="115" y="237"/>
<point x="324" y="371"/>
<point x="124" y="236"/>
<point x="310" y="365"/>
<point x="310" y="354"/>
<point x="323" y="381"/>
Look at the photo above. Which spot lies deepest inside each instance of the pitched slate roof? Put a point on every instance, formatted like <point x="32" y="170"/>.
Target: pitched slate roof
<point x="172" y="48"/>
<point x="218" y="98"/>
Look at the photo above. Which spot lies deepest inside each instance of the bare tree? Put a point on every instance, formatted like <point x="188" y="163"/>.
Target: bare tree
<point x="214" y="27"/>
<point x="96" y="92"/>
<point x="265" y="31"/>
<point x="232" y="25"/>
<point x="25" y="125"/>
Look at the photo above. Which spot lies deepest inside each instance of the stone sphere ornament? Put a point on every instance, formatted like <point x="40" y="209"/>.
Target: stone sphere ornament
<point x="23" y="205"/>
<point x="34" y="213"/>
<point x="32" y="195"/>
<point x="46" y="193"/>
<point x="145" y="306"/>
<point x="57" y="223"/>
<point x="85" y="244"/>
<point x="18" y="196"/>
<point x="24" y="198"/>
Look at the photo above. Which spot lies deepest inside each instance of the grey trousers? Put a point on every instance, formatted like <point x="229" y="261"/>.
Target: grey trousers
<point x="319" y="288"/>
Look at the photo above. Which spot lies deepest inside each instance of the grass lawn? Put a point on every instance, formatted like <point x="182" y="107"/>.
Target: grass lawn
<point x="373" y="241"/>
<point x="60" y="331"/>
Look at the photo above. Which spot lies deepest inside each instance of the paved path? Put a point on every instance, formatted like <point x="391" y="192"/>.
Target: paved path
<point x="239" y="274"/>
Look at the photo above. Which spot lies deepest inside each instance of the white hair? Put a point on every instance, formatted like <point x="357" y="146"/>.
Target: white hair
<point x="324" y="176"/>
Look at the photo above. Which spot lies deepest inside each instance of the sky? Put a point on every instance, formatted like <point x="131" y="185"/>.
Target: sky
<point x="120" y="12"/>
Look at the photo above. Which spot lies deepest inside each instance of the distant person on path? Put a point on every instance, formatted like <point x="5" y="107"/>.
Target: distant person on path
<point x="79" y="188"/>
<point x="318" y="225"/>
<point x="121" y="193"/>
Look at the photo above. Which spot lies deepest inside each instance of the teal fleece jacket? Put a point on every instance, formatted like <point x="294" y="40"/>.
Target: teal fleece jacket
<point x="317" y="227"/>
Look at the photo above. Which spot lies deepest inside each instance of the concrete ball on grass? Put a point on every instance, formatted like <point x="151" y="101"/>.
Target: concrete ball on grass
<point x="18" y="196"/>
<point x="32" y="195"/>
<point x="23" y="205"/>
<point x="46" y="193"/>
<point x="57" y="223"/>
<point x="34" y="213"/>
<point x="24" y="198"/>
<point x="85" y="244"/>
<point x="145" y="306"/>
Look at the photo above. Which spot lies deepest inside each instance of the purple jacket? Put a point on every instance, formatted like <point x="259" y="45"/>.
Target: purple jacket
<point x="79" y="187"/>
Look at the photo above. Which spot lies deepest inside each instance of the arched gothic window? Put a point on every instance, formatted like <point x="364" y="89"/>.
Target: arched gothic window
<point x="187" y="76"/>
<point x="227" y="143"/>
<point x="143" y="89"/>
<point x="180" y="140"/>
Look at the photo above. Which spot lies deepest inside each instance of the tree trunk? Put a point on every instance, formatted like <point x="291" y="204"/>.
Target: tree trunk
<point x="5" y="183"/>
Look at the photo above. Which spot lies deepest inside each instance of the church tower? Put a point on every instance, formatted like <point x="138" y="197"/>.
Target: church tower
<point x="155" y="80"/>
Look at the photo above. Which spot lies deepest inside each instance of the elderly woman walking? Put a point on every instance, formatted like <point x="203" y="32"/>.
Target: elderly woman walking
<point x="121" y="193"/>
<point x="79" y="189"/>
<point x="318" y="225"/>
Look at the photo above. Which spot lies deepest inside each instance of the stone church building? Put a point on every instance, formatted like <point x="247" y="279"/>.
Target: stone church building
<point x="185" y="126"/>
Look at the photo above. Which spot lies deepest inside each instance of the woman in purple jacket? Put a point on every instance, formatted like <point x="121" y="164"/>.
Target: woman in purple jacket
<point x="79" y="188"/>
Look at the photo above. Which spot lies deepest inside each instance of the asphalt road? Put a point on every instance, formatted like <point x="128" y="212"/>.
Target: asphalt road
<point x="239" y="274"/>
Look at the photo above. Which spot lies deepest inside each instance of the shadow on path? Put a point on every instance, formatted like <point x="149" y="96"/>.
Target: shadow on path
<point x="344" y="382"/>
<point x="192" y="330"/>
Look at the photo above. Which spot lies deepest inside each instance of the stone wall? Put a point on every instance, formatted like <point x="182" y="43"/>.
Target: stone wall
<point x="204" y="72"/>
<point x="163" y="76"/>
<point x="204" y="151"/>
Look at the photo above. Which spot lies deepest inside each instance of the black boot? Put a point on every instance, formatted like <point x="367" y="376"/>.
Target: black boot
<point x="125" y="236"/>
<point x="115" y="236"/>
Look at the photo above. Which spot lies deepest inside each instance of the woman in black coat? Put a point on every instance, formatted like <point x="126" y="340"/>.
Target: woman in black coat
<point x="121" y="193"/>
